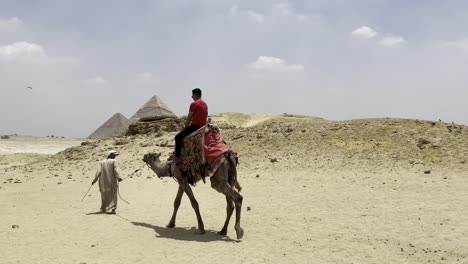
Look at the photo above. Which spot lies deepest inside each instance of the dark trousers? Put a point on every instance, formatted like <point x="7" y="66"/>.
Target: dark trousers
<point x="179" y="138"/>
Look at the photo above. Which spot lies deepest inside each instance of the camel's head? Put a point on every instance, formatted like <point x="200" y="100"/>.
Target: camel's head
<point x="162" y="169"/>
<point x="151" y="158"/>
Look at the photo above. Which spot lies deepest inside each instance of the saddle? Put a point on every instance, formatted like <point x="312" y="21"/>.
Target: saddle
<point x="202" y="153"/>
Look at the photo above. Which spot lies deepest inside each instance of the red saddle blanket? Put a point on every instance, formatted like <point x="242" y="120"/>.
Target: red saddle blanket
<point x="201" y="150"/>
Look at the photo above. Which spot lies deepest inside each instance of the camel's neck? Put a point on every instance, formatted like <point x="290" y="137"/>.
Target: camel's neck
<point x="160" y="168"/>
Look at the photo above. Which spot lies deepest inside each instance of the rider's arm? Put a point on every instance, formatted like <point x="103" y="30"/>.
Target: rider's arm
<point x="189" y="119"/>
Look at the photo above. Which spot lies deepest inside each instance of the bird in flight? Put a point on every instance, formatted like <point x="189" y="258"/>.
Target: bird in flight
<point x="29" y="87"/>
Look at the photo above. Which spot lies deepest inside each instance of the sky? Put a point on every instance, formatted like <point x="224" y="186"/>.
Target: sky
<point x="86" y="60"/>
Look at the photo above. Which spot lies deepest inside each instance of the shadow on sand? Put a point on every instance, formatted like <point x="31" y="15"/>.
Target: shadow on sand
<point x="103" y="213"/>
<point x="185" y="234"/>
<point x="95" y="213"/>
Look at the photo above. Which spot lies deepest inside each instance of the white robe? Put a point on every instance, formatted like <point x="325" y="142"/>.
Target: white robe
<point x="108" y="173"/>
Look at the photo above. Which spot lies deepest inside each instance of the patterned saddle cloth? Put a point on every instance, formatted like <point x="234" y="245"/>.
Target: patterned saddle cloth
<point x="202" y="153"/>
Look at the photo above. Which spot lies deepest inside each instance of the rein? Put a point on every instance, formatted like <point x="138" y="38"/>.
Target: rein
<point x="133" y="172"/>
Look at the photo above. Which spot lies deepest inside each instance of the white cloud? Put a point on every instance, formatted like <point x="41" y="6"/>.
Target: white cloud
<point x="274" y="65"/>
<point x="276" y="11"/>
<point x="23" y="51"/>
<point x="97" y="81"/>
<point x="391" y="41"/>
<point x="144" y="75"/>
<point x="364" y="32"/>
<point x="459" y="44"/>
<point x="259" y="18"/>
<point x="10" y="23"/>
<point x="233" y="10"/>
<point x="285" y="9"/>
<point x="300" y="17"/>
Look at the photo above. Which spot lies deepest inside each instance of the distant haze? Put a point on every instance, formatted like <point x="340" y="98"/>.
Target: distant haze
<point x="86" y="60"/>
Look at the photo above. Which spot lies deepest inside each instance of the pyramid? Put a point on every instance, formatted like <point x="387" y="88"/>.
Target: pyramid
<point x="154" y="107"/>
<point x="115" y="126"/>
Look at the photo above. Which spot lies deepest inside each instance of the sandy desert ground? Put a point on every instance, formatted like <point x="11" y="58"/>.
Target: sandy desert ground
<point x="315" y="191"/>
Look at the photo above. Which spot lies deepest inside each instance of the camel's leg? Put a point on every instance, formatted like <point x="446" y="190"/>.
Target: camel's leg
<point x="194" y="203"/>
<point x="237" y="198"/>
<point x="237" y="185"/>
<point x="220" y="183"/>
<point x="229" y="210"/>
<point x="177" y="201"/>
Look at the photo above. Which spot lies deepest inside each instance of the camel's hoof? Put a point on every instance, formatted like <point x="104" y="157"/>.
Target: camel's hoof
<point x="240" y="233"/>
<point x="222" y="233"/>
<point x="170" y="225"/>
<point x="202" y="231"/>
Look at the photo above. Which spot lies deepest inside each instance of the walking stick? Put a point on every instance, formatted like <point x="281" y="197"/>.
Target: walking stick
<point x="86" y="192"/>
<point x="122" y="198"/>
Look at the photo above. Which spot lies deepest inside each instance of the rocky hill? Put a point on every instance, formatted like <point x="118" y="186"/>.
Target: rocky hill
<point x="369" y="143"/>
<point x="291" y="142"/>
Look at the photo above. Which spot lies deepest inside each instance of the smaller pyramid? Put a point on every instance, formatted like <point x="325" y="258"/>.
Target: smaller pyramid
<point x="154" y="107"/>
<point x="115" y="126"/>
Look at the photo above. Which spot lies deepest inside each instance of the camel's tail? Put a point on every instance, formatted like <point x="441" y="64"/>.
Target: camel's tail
<point x="232" y="174"/>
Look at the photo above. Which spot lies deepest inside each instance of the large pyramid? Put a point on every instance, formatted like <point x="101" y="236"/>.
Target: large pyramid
<point x="154" y="107"/>
<point x="115" y="126"/>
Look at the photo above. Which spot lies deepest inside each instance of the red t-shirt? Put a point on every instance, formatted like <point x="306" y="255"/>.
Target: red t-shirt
<point x="200" y="112"/>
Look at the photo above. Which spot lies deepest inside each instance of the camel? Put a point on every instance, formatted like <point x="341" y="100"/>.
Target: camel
<point x="224" y="180"/>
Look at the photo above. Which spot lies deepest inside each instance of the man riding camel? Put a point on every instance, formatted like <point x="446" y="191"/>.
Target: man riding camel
<point x="196" y="118"/>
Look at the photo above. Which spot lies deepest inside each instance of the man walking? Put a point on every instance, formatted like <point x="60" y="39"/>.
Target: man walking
<point x="109" y="178"/>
